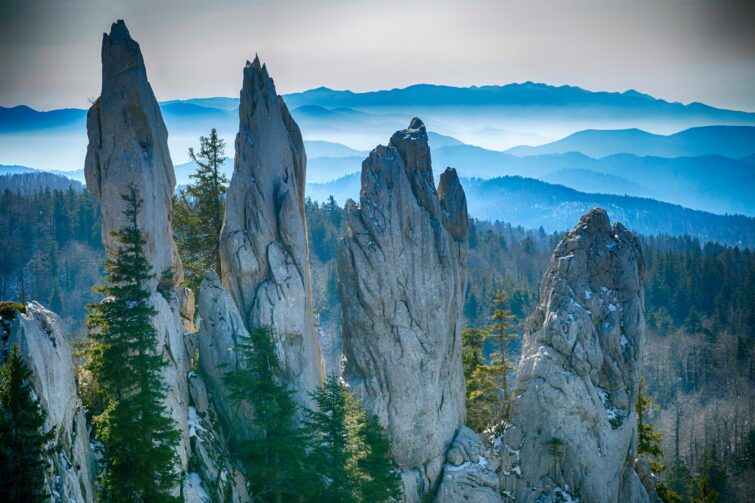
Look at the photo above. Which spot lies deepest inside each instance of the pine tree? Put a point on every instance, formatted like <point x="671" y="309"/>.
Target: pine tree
<point x="649" y="444"/>
<point x="381" y="478"/>
<point x="500" y="328"/>
<point x="274" y="456"/>
<point x="335" y="442"/>
<point x="482" y="399"/>
<point x="137" y="434"/>
<point x="349" y="452"/>
<point x="23" y="441"/>
<point x="199" y="210"/>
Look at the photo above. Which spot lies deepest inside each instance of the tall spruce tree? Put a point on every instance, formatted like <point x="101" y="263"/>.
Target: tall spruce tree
<point x="199" y="210"/>
<point x="274" y="457"/>
<point x="380" y="476"/>
<point x="349" y="453"/>
<point x="23" y="441"/>
<point x="502" y="321"/>
<point x="137" y="434"/>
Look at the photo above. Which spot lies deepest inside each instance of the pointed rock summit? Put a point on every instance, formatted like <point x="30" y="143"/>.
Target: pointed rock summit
<point x="574" y="429"/>
<point x="263" y="246"/>
<point x="128" y="143"/>
<point x="402" y="276"/>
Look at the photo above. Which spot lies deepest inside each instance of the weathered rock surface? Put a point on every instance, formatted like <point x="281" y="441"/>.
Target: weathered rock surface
<point x="221" y="328"/>
<point x="574" y="425"/>
<point x="128" y="143"/>
<point x="402" y="275"/>
<point x="470" y="472"/>
<point x="263" y="245"/>
<point x="40" y="339"/>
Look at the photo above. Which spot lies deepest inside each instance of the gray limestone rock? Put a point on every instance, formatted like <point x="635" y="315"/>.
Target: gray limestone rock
<point x="221" y="328"/>
<point x="263" y="246"/>
<point x="574" y="424"/>
<point x="128" y="143"/>
<point x="40" y="338"/>
<point x="402" y="275"/>
<point x="470" y="472"/>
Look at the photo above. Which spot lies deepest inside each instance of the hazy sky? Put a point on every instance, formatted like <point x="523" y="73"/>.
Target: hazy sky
<point x="680" y="50"/>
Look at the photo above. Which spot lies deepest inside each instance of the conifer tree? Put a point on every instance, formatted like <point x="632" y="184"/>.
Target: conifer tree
<point x="199" y="210"/>
<point x="275" y="455"/>
<point x="23" y="441"/>
<point x="349" y="452"/>
<point x="335" y="439"/>
<point x="137" y="434"/>
<point x="500" y="328"/>
<point x="381" y="478"/>
<point x="482" y="399"/>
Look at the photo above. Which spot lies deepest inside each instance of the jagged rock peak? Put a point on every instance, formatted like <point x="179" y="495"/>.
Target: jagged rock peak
<point x="573" y="421"/>
<point x="453" y="203"/>
<point x="402" y="278"/>
<point x="128" y="144"/>
<point x="263" y="246"/>
<point x="414" y="149"/>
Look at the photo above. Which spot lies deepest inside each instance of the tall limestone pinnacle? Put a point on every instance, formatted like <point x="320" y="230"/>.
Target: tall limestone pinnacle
<point x="402" y="276"/>
<point x="128" y="143"/>
<point x="263" y="245"/>
<point x="574" y="426"/>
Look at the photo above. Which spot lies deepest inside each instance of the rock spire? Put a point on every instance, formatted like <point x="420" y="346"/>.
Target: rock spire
<point x="128" y="143"/>
<point x="402" y="276"/>
<point x="263" y="247"/>
<point x="573" y="430"/>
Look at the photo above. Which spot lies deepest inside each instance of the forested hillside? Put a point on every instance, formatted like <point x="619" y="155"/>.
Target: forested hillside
<point x="700" y="312"/>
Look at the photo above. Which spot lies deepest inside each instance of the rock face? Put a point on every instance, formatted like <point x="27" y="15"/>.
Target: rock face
<point x="40" y="339"/>
<point x="220" y="330"/>
<point x="402" y="275"/>
<point x="263" y="246"/>
<point x="574" y="424"/>
<point x="128" y="143"/>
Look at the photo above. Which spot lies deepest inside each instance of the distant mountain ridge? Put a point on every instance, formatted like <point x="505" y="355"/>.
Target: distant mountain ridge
<point x="515" y="94"/>
<point x="533" y="203"/>
<point x="729" y="141"/>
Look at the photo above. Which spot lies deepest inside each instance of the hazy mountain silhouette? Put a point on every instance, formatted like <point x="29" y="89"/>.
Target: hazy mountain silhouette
<point x="729" y="141"/>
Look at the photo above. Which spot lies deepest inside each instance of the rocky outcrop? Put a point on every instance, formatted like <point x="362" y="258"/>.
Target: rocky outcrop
<point x="263" y="246"/>
<point x="221" y="328"/>
<point x="48" y="353"/>
<point x="128" y="143"/>
<point x="402" y="275"/>
<point x="470" y="472"/>
<point x="573" y="432"/>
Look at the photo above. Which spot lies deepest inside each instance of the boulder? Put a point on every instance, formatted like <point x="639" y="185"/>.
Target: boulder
<point x="402" y="277"/>
<point x="470" y="472"/>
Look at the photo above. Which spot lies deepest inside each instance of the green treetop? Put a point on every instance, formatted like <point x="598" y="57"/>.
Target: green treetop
<point x="349" y="452"/>
<point x="199" y="210"/>
<point x="274" y="457"/>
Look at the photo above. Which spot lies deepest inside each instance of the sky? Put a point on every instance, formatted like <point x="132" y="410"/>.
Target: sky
<point x="679" y="50"/>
